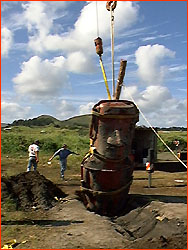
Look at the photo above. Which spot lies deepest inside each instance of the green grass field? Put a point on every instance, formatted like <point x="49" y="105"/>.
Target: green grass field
<point x="169" y="137"/>
<point x="17" y="140"/>
<point x="15" y="143"/>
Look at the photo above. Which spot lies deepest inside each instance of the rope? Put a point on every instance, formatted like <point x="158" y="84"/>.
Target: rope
<point x="112" y="49"/>
<point x="105" y="79"/>
<point x="154" y="130"/>
<point x="97" y="17"/>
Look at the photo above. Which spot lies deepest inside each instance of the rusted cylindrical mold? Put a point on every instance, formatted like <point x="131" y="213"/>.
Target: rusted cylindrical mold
<point x="113" y="128"/>
<point x="107" y="172"/>
<point x="99" y="47"/>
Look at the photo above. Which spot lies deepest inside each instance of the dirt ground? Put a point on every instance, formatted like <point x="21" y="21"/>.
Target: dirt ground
<point x="50" y="215"/>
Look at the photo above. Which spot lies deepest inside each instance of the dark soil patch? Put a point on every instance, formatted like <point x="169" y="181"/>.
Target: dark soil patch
<point x="155" y="225"/>
<point x="150" y="221"/>
<point x="30" y="190"/>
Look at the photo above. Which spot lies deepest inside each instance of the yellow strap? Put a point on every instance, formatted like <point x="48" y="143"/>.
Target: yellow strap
<point x="105" y="79"/>
<point x="10" y="244"/>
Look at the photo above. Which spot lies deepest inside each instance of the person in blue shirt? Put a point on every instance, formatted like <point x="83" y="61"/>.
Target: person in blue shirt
<point x="63" y="154"/>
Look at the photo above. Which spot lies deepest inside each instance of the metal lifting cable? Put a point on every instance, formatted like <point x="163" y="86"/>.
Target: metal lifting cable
<point x="112" y="49"/>
<point x="97" y="18"/>
<point x="99" y="51"/>
<point x="110" y="6"/>
<point x="154" y="130"/>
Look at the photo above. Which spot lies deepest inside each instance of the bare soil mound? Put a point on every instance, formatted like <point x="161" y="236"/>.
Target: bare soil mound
<point x="149" y="221"/>
<point x="155" y="225"/>
<point x="30" y="190"/>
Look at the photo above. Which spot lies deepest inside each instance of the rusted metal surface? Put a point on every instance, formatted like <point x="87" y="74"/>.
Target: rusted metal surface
<point x="106" y="174"/>
<point x="111" y="4"/>
<point x="98" y="45"/>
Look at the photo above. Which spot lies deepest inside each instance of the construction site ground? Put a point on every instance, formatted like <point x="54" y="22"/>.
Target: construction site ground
<point x="156" y="217"/>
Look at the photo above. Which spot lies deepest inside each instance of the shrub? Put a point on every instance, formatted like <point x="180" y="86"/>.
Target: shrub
<point x="48" y="145"/>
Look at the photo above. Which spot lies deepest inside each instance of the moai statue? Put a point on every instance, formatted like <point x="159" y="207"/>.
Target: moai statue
<point x="106" y="171"/>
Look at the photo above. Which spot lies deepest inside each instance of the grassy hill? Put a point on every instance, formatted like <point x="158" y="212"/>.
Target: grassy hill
<point x="16" y="141"/>
<point x="4" y="125"/>
<point x="51" y="132"/>
<point x="77" y="121"/>
<point x="45" y="120"/>
<point x="74" y="122"/>
<point x="42" y="120"/>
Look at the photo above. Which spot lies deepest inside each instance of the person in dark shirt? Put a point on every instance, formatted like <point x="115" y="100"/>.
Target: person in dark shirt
<point x="63" y="154"/>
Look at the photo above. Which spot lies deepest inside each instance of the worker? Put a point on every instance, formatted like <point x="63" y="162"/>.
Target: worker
<point x="63" y="154"/>
<point x="33" y="155"/>
<point x="176" y="143"/>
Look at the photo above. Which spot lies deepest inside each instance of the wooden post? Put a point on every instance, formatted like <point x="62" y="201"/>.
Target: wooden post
<point x="150" y="159"/>
<point x="149" y="179"/>
<point x="123" y="65"/>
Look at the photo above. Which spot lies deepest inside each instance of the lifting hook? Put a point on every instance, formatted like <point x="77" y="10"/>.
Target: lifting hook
<point x="108" y="4"/>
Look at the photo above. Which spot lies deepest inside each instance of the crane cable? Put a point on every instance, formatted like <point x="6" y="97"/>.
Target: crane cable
<point x="112" y="50"/>
<point x="154" y="129"/>
<point x="97" y="19"/>
<point x="99" y="50"/>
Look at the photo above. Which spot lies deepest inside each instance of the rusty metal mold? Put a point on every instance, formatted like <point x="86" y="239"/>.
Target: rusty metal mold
<point x="98" y="45"/>
<point x="106" y="172"/>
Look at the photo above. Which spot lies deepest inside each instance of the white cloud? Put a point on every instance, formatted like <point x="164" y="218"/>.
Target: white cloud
<point x="78" y="62"/>
<point x="128" y="92"/>
<point x="75" y="44"/>
<point x="85" y="28"/>
<point x="172" y="113"/>
<point x="41" y="79"/>
<point x="153" y="98"/>
<point x="36" y="18"/>
<point x="158" y="106"/>
<point x="178" y="68"/>
<point x="86" y="109"/>
<point x="44" y="81"/>
<point x="65" y="110"/>
<point x="6" y="41"/>
<point x="37" y="21"/>
<point x="149" y="60"/>
<point x="155" y="37"/>
<point x="11" y="111"/>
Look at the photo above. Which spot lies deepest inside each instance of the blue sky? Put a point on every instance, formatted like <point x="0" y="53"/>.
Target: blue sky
<point x="49" y="64"/>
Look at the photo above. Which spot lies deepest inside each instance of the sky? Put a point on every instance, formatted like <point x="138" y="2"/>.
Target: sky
<point x="49" y="64"/>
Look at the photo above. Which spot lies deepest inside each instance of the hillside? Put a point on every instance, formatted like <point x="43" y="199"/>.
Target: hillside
<point x="82" y="120"/>
<point x="4" y="125"/>
<point x="44" y="120"/>
<point x="73" y="122"/>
